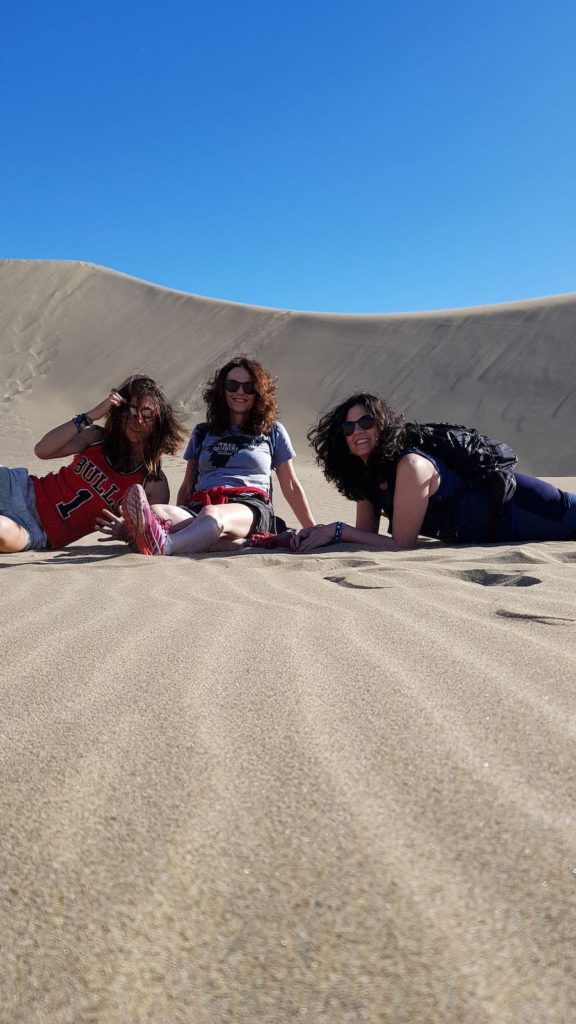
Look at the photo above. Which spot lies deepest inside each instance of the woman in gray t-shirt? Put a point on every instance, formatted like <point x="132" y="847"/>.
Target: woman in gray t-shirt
<point x="225" y="494"/>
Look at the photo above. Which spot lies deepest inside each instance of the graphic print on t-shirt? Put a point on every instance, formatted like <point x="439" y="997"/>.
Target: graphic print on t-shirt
<point x="225" y="448"/>
<point x="236" y="458"/>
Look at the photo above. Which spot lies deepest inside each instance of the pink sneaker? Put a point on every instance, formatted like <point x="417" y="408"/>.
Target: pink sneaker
<point x="147" y="533"/>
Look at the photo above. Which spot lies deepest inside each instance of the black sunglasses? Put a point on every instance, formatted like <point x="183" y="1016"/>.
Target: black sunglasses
<point x="235" y="385"/>
<point x="365" y="423"/>
<point x="133" y="412"/>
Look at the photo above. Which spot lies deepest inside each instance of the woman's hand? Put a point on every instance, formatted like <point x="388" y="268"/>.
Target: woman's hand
<point x="113" y="526"/>
<point x="102" y="410"/>
<point x="312" y="537"/>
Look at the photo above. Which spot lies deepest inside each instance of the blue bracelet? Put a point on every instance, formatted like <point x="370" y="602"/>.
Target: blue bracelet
<point x="338" y="533"/>
<point x="82" y="420"/>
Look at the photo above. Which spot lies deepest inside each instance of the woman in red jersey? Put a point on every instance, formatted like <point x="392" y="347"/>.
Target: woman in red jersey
<point x="54" y="510"/>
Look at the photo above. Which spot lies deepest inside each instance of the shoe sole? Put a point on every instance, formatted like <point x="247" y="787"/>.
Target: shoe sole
<point x="134" y="505"/>
<point x="136" y="514"/>
<point x="135" y="520"/>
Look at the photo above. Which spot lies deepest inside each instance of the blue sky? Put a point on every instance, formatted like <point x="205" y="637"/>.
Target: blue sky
<point x="344" y="155"/>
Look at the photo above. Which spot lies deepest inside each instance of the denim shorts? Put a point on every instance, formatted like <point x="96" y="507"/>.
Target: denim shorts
<point x="17" y="502"/>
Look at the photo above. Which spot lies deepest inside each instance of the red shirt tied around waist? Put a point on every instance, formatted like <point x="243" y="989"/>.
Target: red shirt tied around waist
<point x="69" y="502"/>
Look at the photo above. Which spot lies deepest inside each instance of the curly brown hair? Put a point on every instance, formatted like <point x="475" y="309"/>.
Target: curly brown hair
<point x="165" y="437"/>
<point x="352" y="477"/>
<point x="262" y="415"/>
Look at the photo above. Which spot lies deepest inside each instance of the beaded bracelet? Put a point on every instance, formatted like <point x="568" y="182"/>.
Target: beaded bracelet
<point x="82" y="420"/>
<point x="338" y="533"/>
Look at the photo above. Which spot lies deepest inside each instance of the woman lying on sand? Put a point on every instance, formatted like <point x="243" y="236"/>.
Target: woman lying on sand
<point x="225" y="496"/>
<point x="54" y="510"/>
<point x="365" y="448"/>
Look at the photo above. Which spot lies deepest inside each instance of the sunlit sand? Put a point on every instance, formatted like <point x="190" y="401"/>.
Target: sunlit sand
<point x="263" y="787"/>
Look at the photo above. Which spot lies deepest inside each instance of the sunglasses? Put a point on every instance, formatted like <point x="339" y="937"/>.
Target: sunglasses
<point x="146" y="415"/>
<point x="365" y="423"/>
<point x="235" y="385"/>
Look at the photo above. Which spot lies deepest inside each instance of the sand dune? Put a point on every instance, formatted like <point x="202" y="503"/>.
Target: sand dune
<point x="67" y="329"/>
<point x="264" y="787"/>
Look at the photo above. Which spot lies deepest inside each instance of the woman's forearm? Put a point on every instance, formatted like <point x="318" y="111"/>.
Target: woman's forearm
<point x="296" y="498"/>
<point x="183" y="495"/>
<point x="188" y="483"/>
<point x="352" y="535"/>
<point x="77" y="433"/>
<point x="58" y="442"/>
<point x="368" y="538"/>
<point x="331" y="533"/>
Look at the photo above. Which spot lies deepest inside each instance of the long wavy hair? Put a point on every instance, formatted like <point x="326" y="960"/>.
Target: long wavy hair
<point x="354" y="478"/>
<point x="262" y="415"/>
<point x="165" y="437"/>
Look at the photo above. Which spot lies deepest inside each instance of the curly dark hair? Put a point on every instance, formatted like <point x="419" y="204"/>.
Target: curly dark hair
<point x="262" y="415"/>
<point x="165" y="437"/>
<point x="353" y="478"/>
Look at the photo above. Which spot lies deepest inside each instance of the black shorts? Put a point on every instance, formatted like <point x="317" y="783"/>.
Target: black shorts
<point x="263" y="518"/>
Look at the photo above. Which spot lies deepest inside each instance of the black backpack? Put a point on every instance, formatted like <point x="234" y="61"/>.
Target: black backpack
<point x="474" y="456"/>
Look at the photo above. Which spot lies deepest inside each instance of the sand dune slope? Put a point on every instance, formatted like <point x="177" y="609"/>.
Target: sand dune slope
<point x="68" y="329"/>
<point x="264" y="788"/>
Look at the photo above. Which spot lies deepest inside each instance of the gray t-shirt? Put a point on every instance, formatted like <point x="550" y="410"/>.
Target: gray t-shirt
<point x="237" y="459"/>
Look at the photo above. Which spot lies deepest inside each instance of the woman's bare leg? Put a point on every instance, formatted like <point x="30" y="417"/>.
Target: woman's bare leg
<point x="179" y="517"/>
<point x="216" y="528"/>
<point x="13" y="538"/>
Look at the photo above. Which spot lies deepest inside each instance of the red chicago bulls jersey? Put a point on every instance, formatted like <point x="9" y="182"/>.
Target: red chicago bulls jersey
<point x="69" y="501"/>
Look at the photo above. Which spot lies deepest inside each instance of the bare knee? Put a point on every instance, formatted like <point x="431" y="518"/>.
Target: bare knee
<point x="214" y="514"/>
<point x="231" y="521"/>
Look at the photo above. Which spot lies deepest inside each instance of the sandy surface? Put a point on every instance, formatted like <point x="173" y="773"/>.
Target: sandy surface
<point x="264" y="788"/>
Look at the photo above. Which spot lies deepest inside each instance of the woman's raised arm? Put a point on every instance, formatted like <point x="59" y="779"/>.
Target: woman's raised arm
<point x="72" y="437"/>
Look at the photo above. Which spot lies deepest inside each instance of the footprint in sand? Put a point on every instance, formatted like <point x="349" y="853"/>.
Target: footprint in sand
<point x="481" y="577"/>
<point x="343" y="582"/>
<point x="546" y="620"/>
<point x="496" y="579"/>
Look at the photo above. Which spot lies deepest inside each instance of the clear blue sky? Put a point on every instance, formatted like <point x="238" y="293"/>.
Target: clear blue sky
<point x="345" y="155"/>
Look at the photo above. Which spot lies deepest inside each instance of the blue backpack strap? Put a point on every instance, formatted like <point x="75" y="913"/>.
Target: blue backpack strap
<point x="271" y="439"/>
<point x="201" y="429"/>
